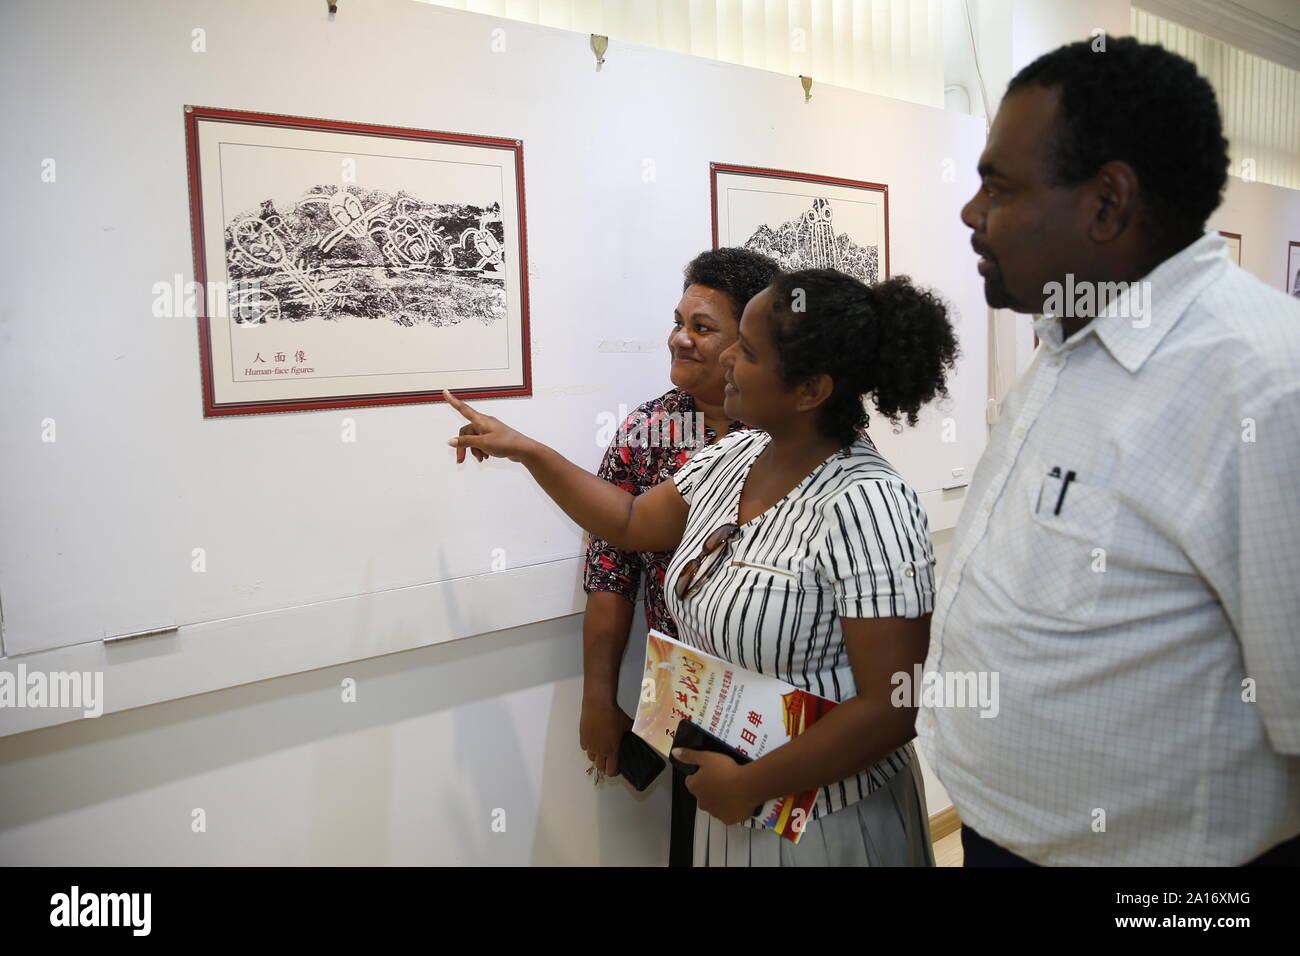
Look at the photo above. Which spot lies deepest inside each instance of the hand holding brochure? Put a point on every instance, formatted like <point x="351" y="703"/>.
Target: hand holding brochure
<point x="752" y="712"/>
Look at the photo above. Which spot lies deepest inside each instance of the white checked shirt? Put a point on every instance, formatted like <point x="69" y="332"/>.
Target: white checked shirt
<point x="1121" y="690"/>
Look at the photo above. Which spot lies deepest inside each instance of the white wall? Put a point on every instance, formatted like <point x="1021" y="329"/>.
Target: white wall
<point x="290" y="517"/>
<point x="412" y="773"/>
<point x="1039" y="26"/>
<point x="440" y="735"/>
<point x="438" y="739"/>
<point x="464" y="705"/>
<point x="1267" y="217"/>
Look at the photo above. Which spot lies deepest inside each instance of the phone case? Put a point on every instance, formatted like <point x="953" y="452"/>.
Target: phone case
<point x="694" y="737"/>
<point x="638" y="762"/>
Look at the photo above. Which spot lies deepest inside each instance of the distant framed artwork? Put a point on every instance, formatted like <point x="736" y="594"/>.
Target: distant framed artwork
<point x="1293" y="269"/>
<point x="803" y="220"/>
<point x="346" y="265"/>
<point x="1233" y="239"/>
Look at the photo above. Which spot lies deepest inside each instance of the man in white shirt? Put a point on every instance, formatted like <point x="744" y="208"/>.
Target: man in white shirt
<point x="1128" y="559"/>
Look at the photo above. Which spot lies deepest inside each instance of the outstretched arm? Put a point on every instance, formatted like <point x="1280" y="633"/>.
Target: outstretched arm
<point x="653" y="521"/>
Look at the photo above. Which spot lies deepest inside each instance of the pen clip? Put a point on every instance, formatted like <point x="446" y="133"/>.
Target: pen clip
<point x="1069" y="477"/>
<point x="1054" y="473"/>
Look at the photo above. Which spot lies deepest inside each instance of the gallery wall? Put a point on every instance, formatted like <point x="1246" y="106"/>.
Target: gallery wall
<point x="318" y="550"/>
<point x="1267" y="217"/>
<point x="442" y="734"/>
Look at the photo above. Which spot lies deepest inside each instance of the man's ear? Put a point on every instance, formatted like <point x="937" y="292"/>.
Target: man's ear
<point x="1115" y="200"/>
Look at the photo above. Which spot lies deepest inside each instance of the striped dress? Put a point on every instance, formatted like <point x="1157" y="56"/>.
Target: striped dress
<point x="850" y="540"/>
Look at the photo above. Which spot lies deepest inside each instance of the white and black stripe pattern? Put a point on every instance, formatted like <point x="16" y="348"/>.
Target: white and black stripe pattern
<point x="851" y="540"/>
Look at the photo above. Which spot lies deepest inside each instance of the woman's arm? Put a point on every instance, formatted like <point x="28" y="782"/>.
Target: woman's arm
<point x="653" y="521"/>
<point x="602" y="723"/>
<point x="862" y="730"/>
<point x="854" y="735"/>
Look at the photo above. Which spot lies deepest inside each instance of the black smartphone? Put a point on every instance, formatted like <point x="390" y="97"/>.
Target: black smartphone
<point x="694" y="737"/>
<point x="638" y="762"/>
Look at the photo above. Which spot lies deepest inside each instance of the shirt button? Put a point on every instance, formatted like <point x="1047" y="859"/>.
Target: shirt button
<point x="1019" y="432"/>
<point x="909" y="572"/>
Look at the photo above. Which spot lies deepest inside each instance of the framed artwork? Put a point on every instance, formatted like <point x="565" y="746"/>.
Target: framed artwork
<point x="344" y="265"/>
<point x="1293" y="269"/>
<point x="1233" y="239"/>
<point x="803" y="221"/>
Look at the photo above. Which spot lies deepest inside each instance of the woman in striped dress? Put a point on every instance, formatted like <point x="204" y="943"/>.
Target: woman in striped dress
<point x="800" y="553"/>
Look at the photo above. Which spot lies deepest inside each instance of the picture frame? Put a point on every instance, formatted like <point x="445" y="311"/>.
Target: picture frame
<point x="803" y="220"/>
<point x="1292" y="282"/>
<point x="349" y="265"/>
<point x="1233" y="239"/>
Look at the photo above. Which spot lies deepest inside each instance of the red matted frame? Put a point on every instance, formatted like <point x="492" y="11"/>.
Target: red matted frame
<point x="1286" y="282"/>
<point x="1233" y="235"/>
<point x="193" y="114"/>
<point x="764" y="173"/>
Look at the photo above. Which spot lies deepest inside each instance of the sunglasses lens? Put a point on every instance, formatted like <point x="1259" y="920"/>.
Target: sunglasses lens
<point x="684" y="579"/>
<point x="719" y="537"/>
<point x="711" y="544"/>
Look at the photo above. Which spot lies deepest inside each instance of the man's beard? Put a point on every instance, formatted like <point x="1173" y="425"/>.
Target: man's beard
<point x="997" y="296"/>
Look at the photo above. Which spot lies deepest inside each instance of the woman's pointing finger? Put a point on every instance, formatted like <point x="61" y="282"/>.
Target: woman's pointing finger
<point x="460" y="406"/>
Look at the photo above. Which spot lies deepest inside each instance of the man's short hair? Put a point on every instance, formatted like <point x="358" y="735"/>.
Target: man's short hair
<point x="1144" y="105"/>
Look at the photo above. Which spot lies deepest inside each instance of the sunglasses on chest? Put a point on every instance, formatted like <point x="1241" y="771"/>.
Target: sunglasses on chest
<point x="716" y="544"/>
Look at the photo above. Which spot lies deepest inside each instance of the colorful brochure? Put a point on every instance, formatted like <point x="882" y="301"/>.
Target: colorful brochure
<point x="749" y="711"/>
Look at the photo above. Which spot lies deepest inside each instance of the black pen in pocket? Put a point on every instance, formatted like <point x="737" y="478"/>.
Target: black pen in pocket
<point x="1069" y="477"/>
<point x="1054" y="473"/>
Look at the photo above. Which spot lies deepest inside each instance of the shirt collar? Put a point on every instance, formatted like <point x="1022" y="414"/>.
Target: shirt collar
<point x="1136" y="320"/>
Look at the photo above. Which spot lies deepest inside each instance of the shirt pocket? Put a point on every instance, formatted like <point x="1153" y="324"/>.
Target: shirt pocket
<point x="785" y="575"/>
<point x="1064" y="565"/>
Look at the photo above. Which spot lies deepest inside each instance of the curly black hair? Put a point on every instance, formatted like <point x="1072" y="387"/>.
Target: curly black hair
<point x="1144" y="105"/>
<point x="892" y="341"/>
<point x="737" y="273"/>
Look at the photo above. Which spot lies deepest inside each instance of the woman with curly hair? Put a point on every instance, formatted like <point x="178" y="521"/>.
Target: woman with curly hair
<point x="800" y="553"/>
<point x="688" y="417"/>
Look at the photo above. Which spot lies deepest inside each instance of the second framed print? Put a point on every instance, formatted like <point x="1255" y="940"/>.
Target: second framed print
<point x="1233" y="240"/>
<point x="803" y="220"/>
<point x="1293" y="269"/>
<point x="344" y="265"/>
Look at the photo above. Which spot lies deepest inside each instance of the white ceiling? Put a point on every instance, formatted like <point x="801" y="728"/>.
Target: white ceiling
<point x="1285" y="12"/>
<point x="1267" y="28"/>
